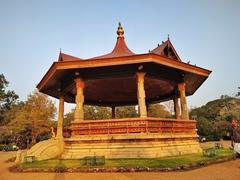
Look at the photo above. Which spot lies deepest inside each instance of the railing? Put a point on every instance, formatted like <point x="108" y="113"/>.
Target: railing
<point x="133" y="125"/>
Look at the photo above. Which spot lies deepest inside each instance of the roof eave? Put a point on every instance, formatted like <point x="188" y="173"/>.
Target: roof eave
<point x="138" y="58"/>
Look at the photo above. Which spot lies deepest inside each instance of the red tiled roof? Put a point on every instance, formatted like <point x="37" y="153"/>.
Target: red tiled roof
<point x="119" y="50"/>
<point x="160" y="50"/>
<point x="66" y="57"/>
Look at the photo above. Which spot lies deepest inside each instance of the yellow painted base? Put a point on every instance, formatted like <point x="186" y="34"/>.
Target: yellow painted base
<point x="130" y="146"/>
<point x="114" y="146"/>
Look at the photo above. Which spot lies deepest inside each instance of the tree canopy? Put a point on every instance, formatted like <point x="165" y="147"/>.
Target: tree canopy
<point x="28" y="120"/>
<point x="158" y="110"/>
<point x="223" y="108"/>
<point x="7" y="99"/>
<point x="213" y="119"/>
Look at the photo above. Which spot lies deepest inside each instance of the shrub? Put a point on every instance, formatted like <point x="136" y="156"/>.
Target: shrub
<point x="210" y="152"/>
<point x="9" y="147"/>
<point x="1" y="147"/>
<point x="60" y="167"/>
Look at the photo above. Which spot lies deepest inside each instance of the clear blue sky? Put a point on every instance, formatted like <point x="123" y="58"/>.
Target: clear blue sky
<point x="205" y="32"/>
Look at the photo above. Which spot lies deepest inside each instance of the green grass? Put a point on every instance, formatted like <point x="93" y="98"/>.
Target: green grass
<point x="164" y="162"/>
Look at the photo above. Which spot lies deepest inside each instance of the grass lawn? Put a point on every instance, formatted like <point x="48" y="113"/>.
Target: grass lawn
<point x="164" y="162"/>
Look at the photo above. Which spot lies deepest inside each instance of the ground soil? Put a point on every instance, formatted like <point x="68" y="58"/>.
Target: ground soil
<point x="223" y="171"/>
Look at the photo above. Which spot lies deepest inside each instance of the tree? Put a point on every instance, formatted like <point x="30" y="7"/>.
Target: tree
<point x="68" y="118"/>
<point x="96" y="112"/>
<point x="100" y="112"/>
<point x="7" y="99"/>
<point x="213" y="119"/>
<point x="158" y="110"/>
<point x="238" y="93"/>
<point x="169" y="105"/>
<point x="126" y="112"/>
<point x="31" y="119"/>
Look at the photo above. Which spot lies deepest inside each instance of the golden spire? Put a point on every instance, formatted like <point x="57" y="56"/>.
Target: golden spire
<point x="120" y="30"/>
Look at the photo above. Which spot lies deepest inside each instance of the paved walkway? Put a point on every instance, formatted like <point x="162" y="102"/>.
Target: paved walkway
<point x="224" y="171"/>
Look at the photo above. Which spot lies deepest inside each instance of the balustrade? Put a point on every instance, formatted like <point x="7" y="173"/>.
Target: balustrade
<point x="125" y="126"/>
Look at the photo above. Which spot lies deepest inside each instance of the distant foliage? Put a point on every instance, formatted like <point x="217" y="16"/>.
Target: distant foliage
<point x="126" y="112"/>
<point x="29" y="121"/>
<point x="213" y="119"/>
<point x="238" y="93"/>
<point x="158" y="110"/>
<point x="7" y="99"/>
<point x="97" y="112"/>
<point x="100" y="112"/>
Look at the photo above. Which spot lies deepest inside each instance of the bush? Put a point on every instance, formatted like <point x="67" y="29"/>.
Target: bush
<point x="29" y="159"/>
<point x="9" y="147"/>
<point x="210" y="152"/>
<point x="60" y="167"/>
<point x="93" y="160"/>
<point x="1" y="147"/>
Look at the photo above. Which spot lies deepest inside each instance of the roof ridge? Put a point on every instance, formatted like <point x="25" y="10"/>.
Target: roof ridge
<point x="66" y="57"/>
<point x="161" y="48"/>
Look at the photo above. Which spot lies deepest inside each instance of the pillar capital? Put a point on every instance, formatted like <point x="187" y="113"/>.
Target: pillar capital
<point x="140" y="75"/>
<point x="79" y="83"/>
<point x="61" y="95"/>
<point x="181" y="86"/>
<point x="182" y="93"/>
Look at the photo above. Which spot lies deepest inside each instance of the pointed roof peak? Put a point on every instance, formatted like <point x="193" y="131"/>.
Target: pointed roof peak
<point x="120" y="48"/>
<point x="120" y="30"/>
<point x="167" y="49"/>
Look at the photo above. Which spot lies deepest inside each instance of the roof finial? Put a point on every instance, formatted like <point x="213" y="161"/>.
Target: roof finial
<point x="60" y="50"/>
<point x="168" y="37"/>
<point x="120" y="30"/>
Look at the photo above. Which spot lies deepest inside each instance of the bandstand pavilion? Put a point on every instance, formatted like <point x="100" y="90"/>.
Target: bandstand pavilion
<point x="121" y="78"/>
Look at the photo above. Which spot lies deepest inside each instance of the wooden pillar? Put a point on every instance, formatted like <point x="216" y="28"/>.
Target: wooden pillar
<point x="60" y="117"/>
<point x="113" y="112"/>
<point x="141" y="94"/>
<point x="176" y="108"/>
<point x="79" y="114"/>
<point x="184" y="110"/>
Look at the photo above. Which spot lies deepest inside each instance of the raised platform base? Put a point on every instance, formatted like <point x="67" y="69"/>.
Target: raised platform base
<point x="43" y="150"/>
<point x="131" y="145"/>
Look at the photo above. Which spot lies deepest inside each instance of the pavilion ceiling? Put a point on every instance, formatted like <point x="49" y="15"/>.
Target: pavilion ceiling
<point x="116" y="85"/>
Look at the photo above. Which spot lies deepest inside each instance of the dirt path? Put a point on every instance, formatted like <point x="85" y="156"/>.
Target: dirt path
<point x="224" y="171"/>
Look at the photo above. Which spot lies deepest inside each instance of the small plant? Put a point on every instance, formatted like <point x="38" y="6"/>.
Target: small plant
<point x="100" y="160"/>
<point x="1" y="147"/>
<point x="60" y="167"/>
<point x="218" y="145"/>
<point x="9" y="147"/>
<point x="93" y="160"/>
<point x="29" y="159"/>
<point x="211" y="152"/>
